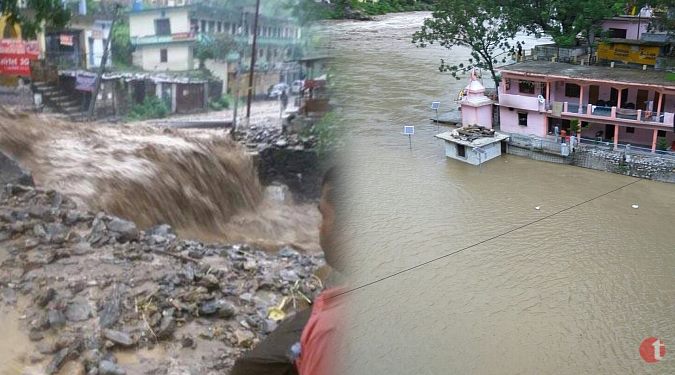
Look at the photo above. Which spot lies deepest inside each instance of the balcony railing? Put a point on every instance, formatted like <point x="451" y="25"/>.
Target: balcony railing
<point x="529" y="103"/>
<point x="637" y="115"/>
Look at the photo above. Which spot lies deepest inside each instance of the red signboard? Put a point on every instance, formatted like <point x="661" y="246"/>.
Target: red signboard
<point x="15" y="56"/>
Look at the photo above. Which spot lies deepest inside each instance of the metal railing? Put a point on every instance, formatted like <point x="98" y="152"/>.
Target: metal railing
<point x="551" y="146"/>
<point x="536" y="143"/>
<point x="614" y="112"/>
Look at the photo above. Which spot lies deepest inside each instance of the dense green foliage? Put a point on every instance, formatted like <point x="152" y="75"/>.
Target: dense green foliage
<point x="391" y="6"/>
<point x="310" y="10"/>
<point x="327" y="133"/>
<point x="487" y="26"/>
<point x="221" y="103"/>
<point x="152" y="107"/>
<point x="476" y="24"/>
<point x="662" y="144"/>
<point x="216" y="47"/>
<point x="51" y="12"/>
<point x="121" y="43"/>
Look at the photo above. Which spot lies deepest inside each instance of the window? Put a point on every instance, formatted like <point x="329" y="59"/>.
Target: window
<point x="522" y="118"/>
<point x="526" y="87"/>
<point x="661" y="133"/>
<point x="162" y="27"/>
<point x="163" y="55"/>
<point x="617" y="33"/>
<point x="572" y="90"/>
<point x="220" y="27"/>
<point x="461" y="151"/>
<point x="630" y="130"/>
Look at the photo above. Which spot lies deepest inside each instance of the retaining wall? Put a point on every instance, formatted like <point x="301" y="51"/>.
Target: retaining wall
<point x="652" y="167"/>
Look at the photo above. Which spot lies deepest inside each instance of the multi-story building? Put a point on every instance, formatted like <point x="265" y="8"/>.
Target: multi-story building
<point x="632" y="106"/>
<point x="165" y="36"/>
<point x="81" y="43"/>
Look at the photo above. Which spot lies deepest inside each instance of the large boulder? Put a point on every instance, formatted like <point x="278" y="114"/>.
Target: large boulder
<point x="12" y="173"/>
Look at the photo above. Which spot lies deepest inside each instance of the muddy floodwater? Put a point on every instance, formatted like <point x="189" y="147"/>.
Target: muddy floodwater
<point x="525" y="291"/>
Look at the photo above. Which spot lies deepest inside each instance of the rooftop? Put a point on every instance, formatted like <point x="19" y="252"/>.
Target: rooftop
<point x="545" y="69"/>
<point x="455" y="137"/>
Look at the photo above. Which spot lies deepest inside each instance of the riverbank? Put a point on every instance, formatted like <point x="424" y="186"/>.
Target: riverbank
<point x="366" y="11"/>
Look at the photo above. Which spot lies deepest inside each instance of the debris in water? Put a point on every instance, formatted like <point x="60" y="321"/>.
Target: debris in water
<point x="537" y="208"/>
<point x="635" y="206"/>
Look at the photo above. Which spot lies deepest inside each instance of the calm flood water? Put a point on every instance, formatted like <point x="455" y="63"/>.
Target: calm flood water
<point x="574" y="293"/>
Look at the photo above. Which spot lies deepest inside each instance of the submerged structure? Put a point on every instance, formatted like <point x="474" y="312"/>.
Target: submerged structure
<point x="475" y="142"/>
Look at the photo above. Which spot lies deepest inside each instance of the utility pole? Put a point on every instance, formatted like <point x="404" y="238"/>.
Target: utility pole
<point x="104" y="61"/>
<point x="236" y="98"/>
<point x="254" y="53"/>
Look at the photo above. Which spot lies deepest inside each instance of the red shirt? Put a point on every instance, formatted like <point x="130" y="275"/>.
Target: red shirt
<point x="319" y="341"/>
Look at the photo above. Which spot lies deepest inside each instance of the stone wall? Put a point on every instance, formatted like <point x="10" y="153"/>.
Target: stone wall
<point x="653" y="167"/>
<point x="12" y="173"/>
<point x="295" y="167"/>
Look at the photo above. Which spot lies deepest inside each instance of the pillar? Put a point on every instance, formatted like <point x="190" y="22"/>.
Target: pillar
<point x="654" y="138"/>
<point x="658" y="106"/>
<point x="618" y="99"/>
<point x="616" y="136"/>
<point x="174" y="95"/>
<point x="548" y="91"/>
<point x="581" y="98"/>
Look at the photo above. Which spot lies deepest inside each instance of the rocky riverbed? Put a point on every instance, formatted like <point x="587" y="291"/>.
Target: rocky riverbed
<point x="96" y="295"/>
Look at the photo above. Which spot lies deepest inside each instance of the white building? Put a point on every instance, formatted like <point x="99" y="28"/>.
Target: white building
<point x="163" y="38"/>
<point x="476" y="151"/>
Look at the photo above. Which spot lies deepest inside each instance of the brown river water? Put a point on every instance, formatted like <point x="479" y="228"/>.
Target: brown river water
<point x="568" y="293"/>
<point x="200" y="182"/>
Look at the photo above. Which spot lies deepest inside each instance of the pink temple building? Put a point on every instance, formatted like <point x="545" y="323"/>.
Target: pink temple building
<point x="628" y="106"/>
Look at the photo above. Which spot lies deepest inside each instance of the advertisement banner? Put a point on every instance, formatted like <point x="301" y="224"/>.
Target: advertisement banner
<point x="15" y="56"/>
<point x="85" y="82"/>
<point x="66" y="39"/>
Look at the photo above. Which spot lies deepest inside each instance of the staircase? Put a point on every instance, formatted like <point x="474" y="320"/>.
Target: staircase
<point x="61" y="102"/>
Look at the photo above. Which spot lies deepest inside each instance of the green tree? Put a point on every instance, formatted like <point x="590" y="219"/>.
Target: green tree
<point x="30" y="19"/>
<point x="662" y="144"/>
<point x="121" y="42"/>
<point x="563" y="20"/>
<point x="216" y="47"/>
<point x="475" y="24"/>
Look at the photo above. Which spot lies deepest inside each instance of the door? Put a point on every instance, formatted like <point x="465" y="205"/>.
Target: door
<point x="613" y="97"/>
<point x="593" y="93"/>
<point x="624" y="97"/>
<point x="609" y="132"/>
<point x="641" y="100"/>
